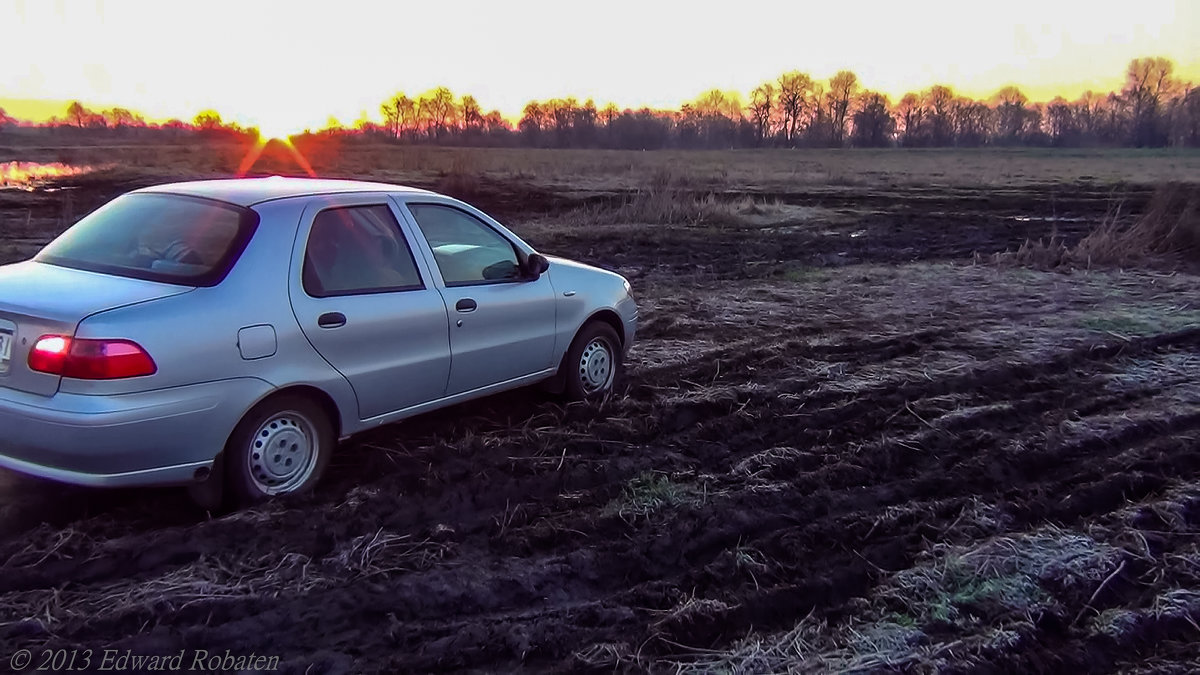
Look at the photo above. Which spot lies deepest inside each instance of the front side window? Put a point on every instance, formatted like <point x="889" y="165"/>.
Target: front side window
<point x="357" y="249"/>
<point x="159" y="237"/>
<point x="466" y="250"/>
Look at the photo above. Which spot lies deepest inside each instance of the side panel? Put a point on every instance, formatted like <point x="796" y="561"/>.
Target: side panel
<point x="510" y="334"/>
<point x="393" y="347"/>
<point x="498" y="331"/>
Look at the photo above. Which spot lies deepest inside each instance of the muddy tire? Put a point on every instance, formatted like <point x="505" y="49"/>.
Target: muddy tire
<point x="280" y="447"/>
<point x="593" y="363"/>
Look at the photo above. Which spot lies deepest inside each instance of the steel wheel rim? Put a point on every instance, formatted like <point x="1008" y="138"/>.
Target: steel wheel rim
<point x="596" y="366"/>
<point x="282" y="453"/>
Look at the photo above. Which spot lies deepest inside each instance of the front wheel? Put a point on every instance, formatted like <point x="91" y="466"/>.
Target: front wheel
<point x="593" y="362"/>
<point x="280" y="447"/>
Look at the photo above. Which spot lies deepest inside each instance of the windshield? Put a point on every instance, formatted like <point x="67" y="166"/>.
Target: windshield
<point x="160" y="237"/>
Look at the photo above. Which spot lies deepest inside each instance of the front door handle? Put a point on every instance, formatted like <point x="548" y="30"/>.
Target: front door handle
<point x="466" y="305"/>
<point x="331" y="320"/>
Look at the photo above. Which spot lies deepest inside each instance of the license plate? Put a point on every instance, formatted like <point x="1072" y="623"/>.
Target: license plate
<point x="6" y="340"/>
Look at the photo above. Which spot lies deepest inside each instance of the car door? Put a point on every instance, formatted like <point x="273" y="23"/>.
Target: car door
<point x="365" y="302"/>
<point x="502" y="322"/>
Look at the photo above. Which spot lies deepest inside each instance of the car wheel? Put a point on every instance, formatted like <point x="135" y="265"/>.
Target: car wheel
<point x="280" y="447"/>
<point x="593" y="362"/>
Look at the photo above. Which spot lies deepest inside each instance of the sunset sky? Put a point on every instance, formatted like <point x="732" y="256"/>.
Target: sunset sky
<point x="287" y="66"/>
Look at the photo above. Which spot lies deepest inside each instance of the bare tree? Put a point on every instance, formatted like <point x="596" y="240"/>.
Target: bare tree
<point x="970" y="119"/>
<point x="207" y="120"/>
<point x="439" y="111"/>
<point x="843" y="87"/>
<point x="1185" y="127"/>
<point x="1012" y="117"/>
<point x="560" y="117"/>
<point x="584" y="124"/>
<point x="1089" y="115"/>
<point x="762" y="103"/>
<point x="398" y="114"/>
<point x="795" y="88"/>
<point x="912" y="117"/>
<point x="77" y="114"/>
<point x="1060" y="122"/>
<point x="495" y="123"/>
<point x="874" y="125"/>
<point x="123" y="117"/>
<point x="472" y="115"/>
<point x="1148" y="81"/>
<point x="938" y="101"/>
<point x="533" y="119"/>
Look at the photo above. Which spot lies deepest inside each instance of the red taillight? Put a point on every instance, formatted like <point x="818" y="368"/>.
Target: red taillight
<point x="90" y="359"/>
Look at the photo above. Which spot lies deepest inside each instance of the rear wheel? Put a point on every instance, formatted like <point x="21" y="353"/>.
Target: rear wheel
<point x="280" y="447"/>
<point x="593" y="362"/>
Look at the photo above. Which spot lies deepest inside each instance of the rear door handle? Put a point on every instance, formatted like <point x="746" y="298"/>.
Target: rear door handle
<point x="466" y="305"/>
<point x="331" y="320"/>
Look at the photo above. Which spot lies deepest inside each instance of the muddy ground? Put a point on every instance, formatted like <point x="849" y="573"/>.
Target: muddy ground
<point x="845" y="440"/>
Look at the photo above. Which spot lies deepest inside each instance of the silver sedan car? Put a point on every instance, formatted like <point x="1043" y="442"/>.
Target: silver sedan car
<point x="226" y="334"/>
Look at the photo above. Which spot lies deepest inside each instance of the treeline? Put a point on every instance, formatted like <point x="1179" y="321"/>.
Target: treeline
<point x="122" y="122"/>
<point x="1154" y="108"/>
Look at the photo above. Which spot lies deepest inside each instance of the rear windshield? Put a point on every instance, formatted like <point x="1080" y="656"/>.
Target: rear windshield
<point x="160" y="237"/>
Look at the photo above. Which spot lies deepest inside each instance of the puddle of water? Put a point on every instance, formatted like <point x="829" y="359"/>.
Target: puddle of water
<point x="27" y="175"/>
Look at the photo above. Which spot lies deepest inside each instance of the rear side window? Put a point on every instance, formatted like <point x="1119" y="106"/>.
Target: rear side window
<point x="159" y="237"/>
<point x="358" y="249"/>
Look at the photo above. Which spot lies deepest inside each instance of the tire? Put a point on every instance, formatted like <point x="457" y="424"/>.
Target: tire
<point x="593" y="362"/>
<point x="301" y="436"/>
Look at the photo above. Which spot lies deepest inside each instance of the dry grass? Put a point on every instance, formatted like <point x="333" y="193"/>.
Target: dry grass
<point x="815" y="647"/>
<point x="1002" y="574"/>
<point x="1169" y="228"/>
<point x="956" y="585"/>
<point x="670" y="197"/>
<point x="624" y="169"/>
<point x="216" y="577"/>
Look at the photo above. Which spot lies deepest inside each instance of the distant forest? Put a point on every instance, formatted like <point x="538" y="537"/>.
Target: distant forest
<point x="1154" y="108"/>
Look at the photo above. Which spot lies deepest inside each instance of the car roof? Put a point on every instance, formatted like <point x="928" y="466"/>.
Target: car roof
<point x="250" y="191"/>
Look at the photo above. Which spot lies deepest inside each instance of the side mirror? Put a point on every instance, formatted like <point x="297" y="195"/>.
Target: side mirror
<point x="536" y="264"/>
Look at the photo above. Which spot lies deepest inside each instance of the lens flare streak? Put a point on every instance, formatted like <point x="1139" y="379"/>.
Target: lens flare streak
<point x="256" y="151"/>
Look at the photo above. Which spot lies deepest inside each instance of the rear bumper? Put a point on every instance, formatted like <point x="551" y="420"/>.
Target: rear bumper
<point x="159" y="437"/>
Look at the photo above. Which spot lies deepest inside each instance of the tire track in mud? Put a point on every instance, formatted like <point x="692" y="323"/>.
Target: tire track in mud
<point x="1061" y="479"/>
<point x="1032" y="405"/>
<point x="536" y="590"/>
<point x="855" y="578"/>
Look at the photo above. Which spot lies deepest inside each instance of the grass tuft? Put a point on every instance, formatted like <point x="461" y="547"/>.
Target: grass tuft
<point x="648" y="493"/>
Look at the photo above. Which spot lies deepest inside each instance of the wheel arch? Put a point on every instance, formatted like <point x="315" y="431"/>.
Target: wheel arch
<point x="609" y="317"/>
<point x="315" y="394"/>
<point x="557" y="384"/>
